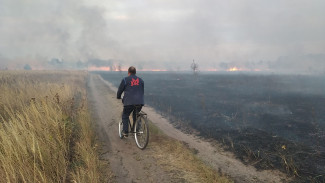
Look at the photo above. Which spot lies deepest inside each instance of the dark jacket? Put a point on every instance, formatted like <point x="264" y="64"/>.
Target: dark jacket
<point x="133" y="88"/>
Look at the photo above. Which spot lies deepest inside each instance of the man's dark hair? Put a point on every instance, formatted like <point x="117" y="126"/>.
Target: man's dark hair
<point x="132" y="70"/>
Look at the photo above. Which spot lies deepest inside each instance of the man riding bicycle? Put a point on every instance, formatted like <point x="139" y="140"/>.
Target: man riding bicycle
<point x="133" y="100"/>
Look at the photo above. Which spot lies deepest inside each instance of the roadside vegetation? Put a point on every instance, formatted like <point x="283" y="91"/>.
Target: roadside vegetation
<point x="45" y="129"/>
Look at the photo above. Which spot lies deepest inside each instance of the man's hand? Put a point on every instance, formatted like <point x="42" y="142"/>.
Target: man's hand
<point x="119" y="98"/>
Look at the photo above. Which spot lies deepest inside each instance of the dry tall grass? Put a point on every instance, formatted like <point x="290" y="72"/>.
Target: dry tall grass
<point x="45" y="130"/>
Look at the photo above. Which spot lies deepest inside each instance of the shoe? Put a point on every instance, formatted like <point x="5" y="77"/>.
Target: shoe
<point x="125" y="134"/>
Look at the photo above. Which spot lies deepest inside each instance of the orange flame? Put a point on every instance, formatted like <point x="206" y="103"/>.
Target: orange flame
<point x="105" y="68"/>
<point x="232" y="69"/>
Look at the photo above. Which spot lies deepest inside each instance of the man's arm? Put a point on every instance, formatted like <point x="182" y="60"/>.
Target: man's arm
<point x="121" y="89"/>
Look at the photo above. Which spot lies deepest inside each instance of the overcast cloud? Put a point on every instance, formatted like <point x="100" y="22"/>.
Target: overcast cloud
<point x="165" y="34"/>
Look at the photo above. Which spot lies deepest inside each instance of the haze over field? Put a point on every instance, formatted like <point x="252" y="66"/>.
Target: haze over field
<point x="251" y="35"/>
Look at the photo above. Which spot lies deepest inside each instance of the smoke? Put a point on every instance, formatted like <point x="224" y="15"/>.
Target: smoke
<point x="42" y="30"/>
<point x="311" y="63"/>
<point x="164" y="34"/>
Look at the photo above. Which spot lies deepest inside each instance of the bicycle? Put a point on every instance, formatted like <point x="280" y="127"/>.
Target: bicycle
<point x="139" y="129"/>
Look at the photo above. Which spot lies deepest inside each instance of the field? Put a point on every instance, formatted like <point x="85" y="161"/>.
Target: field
<point x="269" y="121"/>
<point x="45" y="129"/>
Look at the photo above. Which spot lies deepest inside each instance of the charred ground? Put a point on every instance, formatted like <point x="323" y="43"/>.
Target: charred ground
<point x="269" y="121"/>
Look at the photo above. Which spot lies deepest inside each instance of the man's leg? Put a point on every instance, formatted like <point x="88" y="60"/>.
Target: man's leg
<point x="125" y="117"/>
<point x="135" y="112"/>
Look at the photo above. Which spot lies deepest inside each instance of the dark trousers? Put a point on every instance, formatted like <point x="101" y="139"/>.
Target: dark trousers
<point x="126" y="113"/>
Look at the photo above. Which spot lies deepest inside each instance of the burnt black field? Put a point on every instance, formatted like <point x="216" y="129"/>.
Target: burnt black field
<point x="269" y="121"/>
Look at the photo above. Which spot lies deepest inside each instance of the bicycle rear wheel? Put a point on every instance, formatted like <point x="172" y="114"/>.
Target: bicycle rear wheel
<point x="141" y="134"/>
<point x="120" y="128"/>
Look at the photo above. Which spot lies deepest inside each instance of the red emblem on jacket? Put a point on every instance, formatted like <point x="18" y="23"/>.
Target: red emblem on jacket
<point x="135" y="82"/>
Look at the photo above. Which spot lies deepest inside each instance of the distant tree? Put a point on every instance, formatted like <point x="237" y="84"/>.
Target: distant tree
<point x="27" y="67"/>
<point x="194" y="67"/>
<point x="119" y="67"/>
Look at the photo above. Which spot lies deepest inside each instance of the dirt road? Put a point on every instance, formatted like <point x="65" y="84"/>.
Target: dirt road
<point x="130" y="164"/>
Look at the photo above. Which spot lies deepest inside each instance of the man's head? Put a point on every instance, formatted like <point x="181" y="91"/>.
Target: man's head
<point x="132" y="71"/>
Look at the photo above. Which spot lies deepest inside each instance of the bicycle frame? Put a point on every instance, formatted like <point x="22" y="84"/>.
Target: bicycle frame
<point x="139" y="128"/>
<point x="142" y="114"/>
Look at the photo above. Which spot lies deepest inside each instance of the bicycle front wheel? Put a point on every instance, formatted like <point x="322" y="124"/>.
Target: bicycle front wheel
<point x="141" y="134"/>
<point x="120" y="128"/>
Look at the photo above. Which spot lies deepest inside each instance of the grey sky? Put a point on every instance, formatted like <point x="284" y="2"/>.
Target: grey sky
<point x="162" y="33"/>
